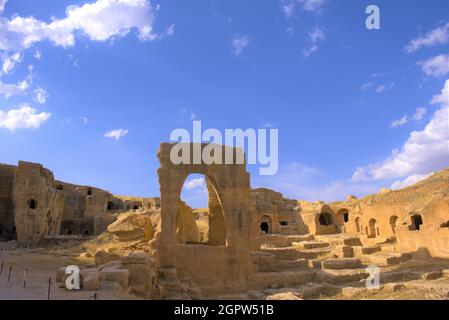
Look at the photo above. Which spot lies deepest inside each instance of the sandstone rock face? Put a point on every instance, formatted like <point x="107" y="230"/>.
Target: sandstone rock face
<point x="186" y="228"/>
<point x="37" y="205"/>
<point x="132" y="226"/>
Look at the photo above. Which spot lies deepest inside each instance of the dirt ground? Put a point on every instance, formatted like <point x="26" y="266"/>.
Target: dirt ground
<point x="41" y="267"/>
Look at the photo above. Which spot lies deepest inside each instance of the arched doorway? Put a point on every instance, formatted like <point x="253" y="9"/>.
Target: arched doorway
<point x="373" y="229"/>
<point x="326" y="219"/>
<point x="265" y="225"/>
<point x="343" y="216"/>
<point x="393" y="224"/>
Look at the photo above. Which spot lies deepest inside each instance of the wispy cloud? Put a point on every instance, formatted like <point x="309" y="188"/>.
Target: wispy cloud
<point x="315" y="37"/>
<point x="40" y="96"/>
<point x="312" y="5"/>
<point x="195" y="183"/>
<point x="116" y="134"/>
<point x="417" y="116"/>
<point x="436" y="66"/>
<point x="239" y="43"/>
<point x="437" y="36"/>
<point x="384" y="87"/>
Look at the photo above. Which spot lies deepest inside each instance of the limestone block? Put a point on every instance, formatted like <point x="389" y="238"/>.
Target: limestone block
<point x="102" y="257"/>
<point x="120" y="276"/>
<point x="90" y="279"/>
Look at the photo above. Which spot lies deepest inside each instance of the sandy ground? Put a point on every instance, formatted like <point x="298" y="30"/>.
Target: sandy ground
<point x="41" y="267"/>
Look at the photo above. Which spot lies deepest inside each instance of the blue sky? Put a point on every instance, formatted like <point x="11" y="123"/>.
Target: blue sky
<point x="91" y="88"/>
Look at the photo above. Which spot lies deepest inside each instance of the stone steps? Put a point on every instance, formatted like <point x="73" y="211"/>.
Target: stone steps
<point x="292" y="264"/>
<point x="341" y="276"/>
<point x="291" y="253"/>
<point x="310" y="244"/>
<point x="261" y="281"/>
<point x="389" y="258"/>
<point x="337" y="264"/>
<point x="340" y="240"/>
<point x="279" y="240"/>
<point x="367" y="250"/>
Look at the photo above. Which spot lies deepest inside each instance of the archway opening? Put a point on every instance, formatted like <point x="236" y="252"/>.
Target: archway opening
<point x="264" y="227"/>
<point x="416" y="220"/>
<point x="265" y="224"/>
<point x="394" y="224"/>
<point x="89" y="192"/>
<point x="373" y="229"/>
<point x="136" y="207"/>
<point x="200" y="194"/>
<point x="325" y="219"/>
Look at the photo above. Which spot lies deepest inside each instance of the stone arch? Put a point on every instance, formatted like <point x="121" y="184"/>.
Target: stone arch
<point x="394" y="224"/>
<point x="228" y="265"/>
<point x="373" y="229"/>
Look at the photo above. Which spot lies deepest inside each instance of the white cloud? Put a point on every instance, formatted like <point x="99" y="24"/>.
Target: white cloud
<point x="37" y="55"/>
<point x="312" y="5"/>
<point x="437" y="36"/>
<point x="300" y="181"/>
<point x="419" y="113"/>
<point x="436" y="66"/>
<point x="288" y="9"/>
<point x="400" y="122"/>
<point x="195" y="184"/>
<point x="366" y="86"/>
<point x="239" y="43"/>
<point x="100" y="21"/>
<point x="116" y="134"/>
<point x="410" y="180"/>
<point x="9" y="62"/>
<point x="314" y="38"/>
<point x="384" y="87"/>
<point x="40" y="96"/>
<point x="8" y="90"/>
<point x="417" y="116"/>
<point x="25" y="117"/>
<point x="425" y="151"/>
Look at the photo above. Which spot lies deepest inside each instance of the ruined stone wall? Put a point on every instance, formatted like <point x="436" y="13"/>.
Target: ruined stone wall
<point x="280" y="214"/>
<point x="37" y="205"/>
<point x="7" y="225"/>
